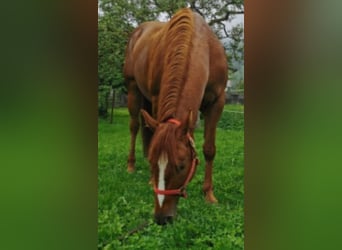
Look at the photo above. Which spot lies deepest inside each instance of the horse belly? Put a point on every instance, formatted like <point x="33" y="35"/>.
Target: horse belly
<point x="144" y="91"/>
<point x="141" y="82"/>
<point x="141" y="73"/>
<point x="148" y="82"/>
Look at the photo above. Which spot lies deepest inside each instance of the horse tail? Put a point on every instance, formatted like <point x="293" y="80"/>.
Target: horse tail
<point x="178" y="39"/>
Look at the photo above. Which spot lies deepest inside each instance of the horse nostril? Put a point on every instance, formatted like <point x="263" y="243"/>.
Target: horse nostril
<point x="163" y="220"/>
<point x="160" y="221"/>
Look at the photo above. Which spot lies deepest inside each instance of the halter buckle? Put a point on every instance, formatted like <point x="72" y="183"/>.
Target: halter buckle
<point x="182" y="192"/>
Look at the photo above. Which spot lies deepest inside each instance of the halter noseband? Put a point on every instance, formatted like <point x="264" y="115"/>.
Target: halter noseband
<point x="181" y="191"/>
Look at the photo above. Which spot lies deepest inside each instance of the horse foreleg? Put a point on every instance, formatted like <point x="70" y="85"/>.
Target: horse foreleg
<point x="209" y="151"/>
<point x="211" y="117"/>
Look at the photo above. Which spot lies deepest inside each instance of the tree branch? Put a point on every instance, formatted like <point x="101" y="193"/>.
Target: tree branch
<point x="219" y="20"/>
<point x="193" y="7"/>
<point x="225" y="30"/>
<point x="135" y="230"/>
<point x="225" y="17"/>
<point x="237" y="12"/>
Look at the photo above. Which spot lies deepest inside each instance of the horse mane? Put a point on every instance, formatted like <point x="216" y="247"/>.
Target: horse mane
<point x="178" y="40"/>
<point x="178" y="43"/>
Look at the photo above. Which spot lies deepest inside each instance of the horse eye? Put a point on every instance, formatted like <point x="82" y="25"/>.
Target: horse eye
<point x="181" y="167"/>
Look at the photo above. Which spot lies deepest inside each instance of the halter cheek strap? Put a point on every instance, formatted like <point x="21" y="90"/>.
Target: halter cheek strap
<point x="180" y="191"/>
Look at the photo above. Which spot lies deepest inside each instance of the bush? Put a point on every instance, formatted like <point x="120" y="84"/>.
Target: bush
<point x="103" y="94"/>
<point x="232" y="120"/>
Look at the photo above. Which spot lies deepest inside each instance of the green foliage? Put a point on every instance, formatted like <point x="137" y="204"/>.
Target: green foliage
<point x="126" y="200"/>
<point x="103" y="94"/>
<point x="236" y="43"/>
<point x="113" y="33"/>
<point x="235" y="48"/>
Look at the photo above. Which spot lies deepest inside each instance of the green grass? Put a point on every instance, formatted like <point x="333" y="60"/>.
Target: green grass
<point x="125" y="201"/>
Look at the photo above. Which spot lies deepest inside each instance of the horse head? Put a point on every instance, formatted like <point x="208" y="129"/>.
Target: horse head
<point x="173" y="162"/>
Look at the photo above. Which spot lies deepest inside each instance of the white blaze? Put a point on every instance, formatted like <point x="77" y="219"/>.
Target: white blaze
<point x="162" y="163"/>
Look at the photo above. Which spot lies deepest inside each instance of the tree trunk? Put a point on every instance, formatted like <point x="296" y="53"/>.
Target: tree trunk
<point x="113" y="102"/>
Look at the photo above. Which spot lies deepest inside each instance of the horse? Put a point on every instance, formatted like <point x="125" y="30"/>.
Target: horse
<point x="174" y="70"/>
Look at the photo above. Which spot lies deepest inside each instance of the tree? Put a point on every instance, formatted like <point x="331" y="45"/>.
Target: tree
<point x="235" y="48"/>
<point x="113" y="33"/>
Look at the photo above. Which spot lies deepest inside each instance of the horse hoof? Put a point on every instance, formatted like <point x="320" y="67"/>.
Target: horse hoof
<point x="209" y="197"/>
<point x="130" y="169"/>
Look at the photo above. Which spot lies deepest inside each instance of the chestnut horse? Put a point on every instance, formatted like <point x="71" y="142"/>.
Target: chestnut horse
<point x="173" y="70"/>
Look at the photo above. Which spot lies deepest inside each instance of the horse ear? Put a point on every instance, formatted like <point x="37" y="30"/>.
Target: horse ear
<point x="150" y="122"/>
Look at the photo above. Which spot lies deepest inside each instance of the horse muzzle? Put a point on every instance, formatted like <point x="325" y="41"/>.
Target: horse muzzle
<point x="162" y="219"/>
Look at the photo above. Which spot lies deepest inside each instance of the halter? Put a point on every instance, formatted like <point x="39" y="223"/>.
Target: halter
<point x="181" y="191"/>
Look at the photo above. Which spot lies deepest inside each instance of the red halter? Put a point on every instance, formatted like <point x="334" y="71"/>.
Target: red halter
<point x="174" y="121"/>
<point x="181" y="191"/>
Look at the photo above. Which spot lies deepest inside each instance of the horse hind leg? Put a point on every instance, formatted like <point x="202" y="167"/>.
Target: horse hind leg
<point x="211" y="117"/>
<point x="134" y="127"/>
<point x="134" y="105"/>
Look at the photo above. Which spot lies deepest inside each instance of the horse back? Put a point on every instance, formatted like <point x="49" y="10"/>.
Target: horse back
<point x="209" y="61"/>
<point x="138" y="49"/>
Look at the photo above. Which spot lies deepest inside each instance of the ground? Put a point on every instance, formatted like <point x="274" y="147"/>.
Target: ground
<point x="125" y="201"/>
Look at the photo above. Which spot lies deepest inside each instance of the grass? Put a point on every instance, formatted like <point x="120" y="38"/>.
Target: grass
<point x="125" y="201"/>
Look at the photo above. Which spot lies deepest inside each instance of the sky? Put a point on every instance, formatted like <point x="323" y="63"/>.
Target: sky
<point x="237" y="20"/>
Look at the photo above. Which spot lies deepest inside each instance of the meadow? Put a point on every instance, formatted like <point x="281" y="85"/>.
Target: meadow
<point x="125" y="201"/>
